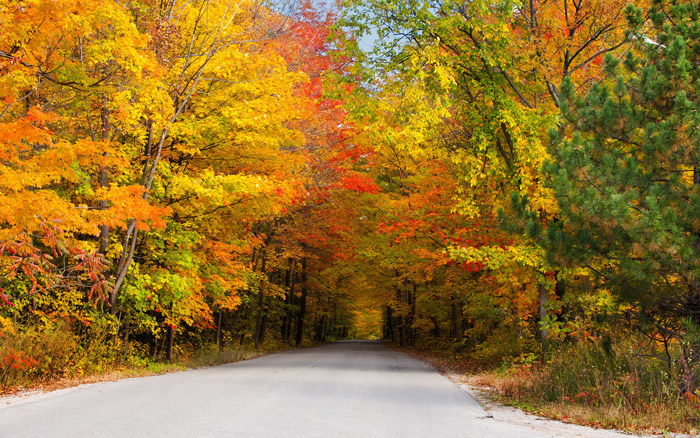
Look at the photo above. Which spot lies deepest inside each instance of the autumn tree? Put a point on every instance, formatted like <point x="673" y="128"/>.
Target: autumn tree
<point x="488" y="76"/>
<point x="142" y="142"/>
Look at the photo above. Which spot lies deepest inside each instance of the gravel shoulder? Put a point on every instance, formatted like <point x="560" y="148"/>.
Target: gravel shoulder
<point x="517" y="417"/>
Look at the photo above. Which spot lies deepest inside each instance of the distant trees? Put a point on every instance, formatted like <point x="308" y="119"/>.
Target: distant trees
<point x="577" y="121"/>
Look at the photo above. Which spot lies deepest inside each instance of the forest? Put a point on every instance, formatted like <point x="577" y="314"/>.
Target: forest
<point x="510" y="185"/>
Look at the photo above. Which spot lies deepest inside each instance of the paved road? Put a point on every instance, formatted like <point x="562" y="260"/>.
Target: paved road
<point x="341" y="390"/>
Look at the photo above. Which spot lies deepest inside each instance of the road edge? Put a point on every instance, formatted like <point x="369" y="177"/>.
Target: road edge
<point x="489" y="400"/>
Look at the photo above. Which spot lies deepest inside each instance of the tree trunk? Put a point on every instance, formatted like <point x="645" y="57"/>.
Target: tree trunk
<point x="320" y="329"/>
<point x="395" y="321"/>
<point x="456" y="319"/>
<point x="218" y="331"/>
<point x="401" y="319"/>
<point x="263" y="327"/>
<point x="258" y="321"/>
<point x="411" y="328"/>
<point x="261" y="301"/>
<point x="288" y="302"/>
<point x="544" y="332"/>
<point x="234" y="321"/>
<point x="436" y="327"/>
<point x="104" y="176"/>
<point x="171" y="337"/>
<point x="152" y="346"/>
<point x="390" y="324"/>
<point x="302" y="304"/>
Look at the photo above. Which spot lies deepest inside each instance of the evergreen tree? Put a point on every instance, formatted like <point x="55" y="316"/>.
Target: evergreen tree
<point x="628" y="179"/>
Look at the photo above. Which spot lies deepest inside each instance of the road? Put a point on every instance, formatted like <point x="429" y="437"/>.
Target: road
<point x="348" y="389"/>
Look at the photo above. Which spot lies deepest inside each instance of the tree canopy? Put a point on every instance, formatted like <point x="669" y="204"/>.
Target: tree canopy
<point x="496" y="178"/>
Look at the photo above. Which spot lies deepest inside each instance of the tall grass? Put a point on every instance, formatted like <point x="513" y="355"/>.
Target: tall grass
<point x="41" y="353"/>
<point x="608" y="383"/>
<point x="212" y="356"/>
<point x="52" y="354"/>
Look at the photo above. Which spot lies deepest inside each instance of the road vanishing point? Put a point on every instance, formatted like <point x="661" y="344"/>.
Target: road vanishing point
<point x="351" y="389"/>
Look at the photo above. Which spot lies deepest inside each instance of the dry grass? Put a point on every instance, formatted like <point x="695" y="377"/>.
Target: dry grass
<point x="657" y="418"/>
<point x="109" y="376"/>
<point x="212" y="358"/>
<point x="626" y="395"/>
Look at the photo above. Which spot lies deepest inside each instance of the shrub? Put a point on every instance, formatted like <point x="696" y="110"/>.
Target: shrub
<point x="615" y="382"/>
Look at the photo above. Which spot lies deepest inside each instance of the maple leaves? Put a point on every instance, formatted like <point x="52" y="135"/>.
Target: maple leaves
<point x="156" y="157"/>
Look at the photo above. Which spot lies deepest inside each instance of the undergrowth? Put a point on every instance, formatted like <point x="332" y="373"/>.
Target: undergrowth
<point x="51" y="356"/>
<point x="601" y="383"/>
<point x="607" y="383"/>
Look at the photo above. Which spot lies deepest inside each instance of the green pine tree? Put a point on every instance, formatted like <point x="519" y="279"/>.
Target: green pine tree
<point x="628" y="179"/>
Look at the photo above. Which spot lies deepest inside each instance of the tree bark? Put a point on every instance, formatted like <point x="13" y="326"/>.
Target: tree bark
<point x="321" y="329"/>
<point x="544" y="332"/>
<point x="288" y="302"/>
<point x="302" y="304"/>
<point x="411" y="328"/>
<point x="263" y="328"/>
<point x="436" y="327"/>
<point x="152" y="346"/>
<point x="456" y="319"/>
<point x="104" y="177"/>
<point x="131" y="234"/>
<point x="218" y="331"/>
<point x="171" y="337"/>
<point x="259" y="319"/>
<point x="390" y="324"/>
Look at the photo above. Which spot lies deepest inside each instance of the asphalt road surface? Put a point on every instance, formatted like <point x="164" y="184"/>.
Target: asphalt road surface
<point x="351" y="389"/>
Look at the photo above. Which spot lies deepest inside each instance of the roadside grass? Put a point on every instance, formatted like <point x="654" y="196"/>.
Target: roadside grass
<point x="647" y="417"/>
<point x="212" y="357"/>
<point x="54" y="358"/>
<point x="136" y="367"/>
<point x="606" y="386"/>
